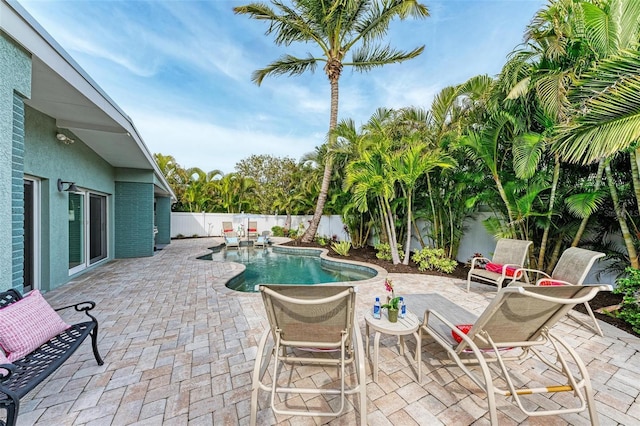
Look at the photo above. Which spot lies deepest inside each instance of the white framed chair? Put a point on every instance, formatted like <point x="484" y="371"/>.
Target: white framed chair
<point x="509" y="255"/>
<point x="305" y="323"/>
<point x="572" y="269"/>
<point x="515" y="325"/>
<point x="231" y="240"/>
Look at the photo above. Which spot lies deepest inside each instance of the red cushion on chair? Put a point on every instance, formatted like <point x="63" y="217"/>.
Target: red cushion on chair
<point x="497" y="268"/>
<point x="253" y="230"/>
<point x="549" y="282"/>
<point x="27" y="324"/>
<point x="462" y="327"/>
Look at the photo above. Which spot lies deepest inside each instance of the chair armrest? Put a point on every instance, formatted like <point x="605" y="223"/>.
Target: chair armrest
<point x="473" y="261"/>
<point x="520" y="270"/>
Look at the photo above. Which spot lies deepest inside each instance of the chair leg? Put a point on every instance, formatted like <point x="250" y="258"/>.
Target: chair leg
<point x="94" y="345"/>
<point x="593" y="318"/>
<point x="361" y="374"/>
<point x="468" y="281"/>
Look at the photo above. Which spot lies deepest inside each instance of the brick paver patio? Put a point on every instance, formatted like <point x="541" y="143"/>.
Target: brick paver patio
<point x="179" y="348"/>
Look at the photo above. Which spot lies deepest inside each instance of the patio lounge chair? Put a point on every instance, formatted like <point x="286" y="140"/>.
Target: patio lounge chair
<point x="518" y="319"/>
<point x="227" y="227"/>
<point x="572" y="269"/>
<point x="508" y="256"/>
<point x="231" y="239"/>
<point x="262" y="241"/>
<point x="252" y="230"/>
<point x="305" y="323"/>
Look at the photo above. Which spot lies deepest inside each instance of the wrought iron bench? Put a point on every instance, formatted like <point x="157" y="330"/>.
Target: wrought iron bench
<point x="26" y="373"/>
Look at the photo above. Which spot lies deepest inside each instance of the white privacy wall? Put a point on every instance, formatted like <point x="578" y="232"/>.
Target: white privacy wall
<point x="210" y="224"/>
<point x="474" y="240"/>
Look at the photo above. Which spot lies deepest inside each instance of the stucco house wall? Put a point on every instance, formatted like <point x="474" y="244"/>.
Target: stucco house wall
<point x="43" y="94"/>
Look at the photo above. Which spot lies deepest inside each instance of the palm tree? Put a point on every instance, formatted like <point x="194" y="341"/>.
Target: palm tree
<point x="336" y="27"/>
<point x="410" y="165"/>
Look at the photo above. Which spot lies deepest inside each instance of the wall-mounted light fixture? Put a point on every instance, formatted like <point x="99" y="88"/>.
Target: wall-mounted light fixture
<point x="71" y="188"/>
<point x="64" y="139"/>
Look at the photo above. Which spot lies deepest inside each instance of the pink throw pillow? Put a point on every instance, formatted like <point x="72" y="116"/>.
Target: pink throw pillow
<point x="462" y="327"/>
<point x="550" y="283"/>
<point x="497" y="268"/>
<point x="27" y="324"/>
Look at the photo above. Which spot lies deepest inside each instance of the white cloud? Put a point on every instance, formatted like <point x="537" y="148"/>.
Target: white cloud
<point x="195" y="143"/>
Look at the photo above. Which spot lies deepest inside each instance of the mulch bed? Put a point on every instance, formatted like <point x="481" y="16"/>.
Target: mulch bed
<point x="368" y="255"/>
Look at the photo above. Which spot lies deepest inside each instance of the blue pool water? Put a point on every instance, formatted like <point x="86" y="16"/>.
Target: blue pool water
<point x="268" y="266"/>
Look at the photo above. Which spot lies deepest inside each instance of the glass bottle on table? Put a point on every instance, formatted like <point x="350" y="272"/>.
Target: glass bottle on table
<point x="403" y="308"/>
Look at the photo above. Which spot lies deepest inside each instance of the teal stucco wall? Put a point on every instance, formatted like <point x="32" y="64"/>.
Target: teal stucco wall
<point x="163" y="220"/>
<point x="134" y="219"/>
<point x="48" y="159"/>
<point x="15" y="84"/>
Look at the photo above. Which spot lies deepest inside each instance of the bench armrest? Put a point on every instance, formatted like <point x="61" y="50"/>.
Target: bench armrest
<point x="82" y="307"/>
<point x="8" y="371"/>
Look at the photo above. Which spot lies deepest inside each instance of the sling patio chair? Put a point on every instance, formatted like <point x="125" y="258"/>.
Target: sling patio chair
<point x="227" y="227"/>
<point x="262" y="241"/>
<point x="508" y="256"/>
<point x="516" y="327"/>
<point x="252" y="230"/>
<point x="309" y="325"/>
<point x="572" y="269"/>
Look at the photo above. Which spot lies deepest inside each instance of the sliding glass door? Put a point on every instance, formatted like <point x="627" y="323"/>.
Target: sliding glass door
<point x="97" y="228"/>
<point x="31" y="246"/>
<point x="87" y="229"/>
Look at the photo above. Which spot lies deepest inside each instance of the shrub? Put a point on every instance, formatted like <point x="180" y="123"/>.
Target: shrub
<point x="384" y="251"/>
<point x="629" y="287"/>
<point x="292" y="234"/>
<point x="341" y="247"/>
<point x="321" y="240"/>
<point x="434" y="260"/>
<point x="278" y="231"/>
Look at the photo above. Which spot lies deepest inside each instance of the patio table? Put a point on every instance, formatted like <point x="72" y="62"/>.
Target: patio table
<point x="404" y="326"/>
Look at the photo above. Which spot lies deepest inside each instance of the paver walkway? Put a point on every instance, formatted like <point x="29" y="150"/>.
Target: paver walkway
<point x="179" y="347"/>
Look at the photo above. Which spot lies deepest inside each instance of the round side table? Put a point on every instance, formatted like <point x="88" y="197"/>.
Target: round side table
<point x="407" y="325"/>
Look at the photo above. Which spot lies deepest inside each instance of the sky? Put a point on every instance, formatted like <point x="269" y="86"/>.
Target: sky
<point x="181" y="69"/>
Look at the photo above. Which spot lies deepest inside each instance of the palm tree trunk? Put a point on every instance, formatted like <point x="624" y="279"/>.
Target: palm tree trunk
<point x="310" y="233"/>
<point x="417" y="232"/>
<point x="393" y="239"/>
<point x="552" y="198"/>
<point x="434" y="220"/>
<point x="555" y="255"/>
<point x="407" y="250"/>
<point x="583" y="224"/>
<point x="624" y="228"/>
<point x="503" y="195"/>
<point x="635" y="175"/>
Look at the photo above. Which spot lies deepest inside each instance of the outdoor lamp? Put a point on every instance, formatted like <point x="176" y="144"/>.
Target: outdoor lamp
<point x="71" y="188"/>
<point x="64" y="139"/>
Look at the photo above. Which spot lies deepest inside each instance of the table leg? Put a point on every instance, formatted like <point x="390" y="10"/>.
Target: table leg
<point x="401" y="342"/>
<point x="376" y="345"/>
<point x="367" y="340"/>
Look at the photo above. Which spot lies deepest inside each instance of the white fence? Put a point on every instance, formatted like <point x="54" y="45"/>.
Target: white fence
<point x="474" y="240"/>
<point x="210" y="224"/>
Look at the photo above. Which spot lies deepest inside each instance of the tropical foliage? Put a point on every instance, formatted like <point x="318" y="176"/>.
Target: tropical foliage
<point x="549" y="147"/>
<point x="335" y="28"/>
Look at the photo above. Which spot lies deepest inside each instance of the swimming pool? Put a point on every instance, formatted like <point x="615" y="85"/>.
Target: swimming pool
<point x="287" y="266"/>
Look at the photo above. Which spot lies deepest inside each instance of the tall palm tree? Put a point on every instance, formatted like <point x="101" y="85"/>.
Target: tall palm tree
<point x="335" y="27"/>
<point x="410" y="165"/>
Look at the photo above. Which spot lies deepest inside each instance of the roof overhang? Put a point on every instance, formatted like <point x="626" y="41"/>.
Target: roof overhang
<point x="61" y="89"/>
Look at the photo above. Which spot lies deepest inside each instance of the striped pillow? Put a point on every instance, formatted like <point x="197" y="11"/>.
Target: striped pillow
<point x="27" y="324"/>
